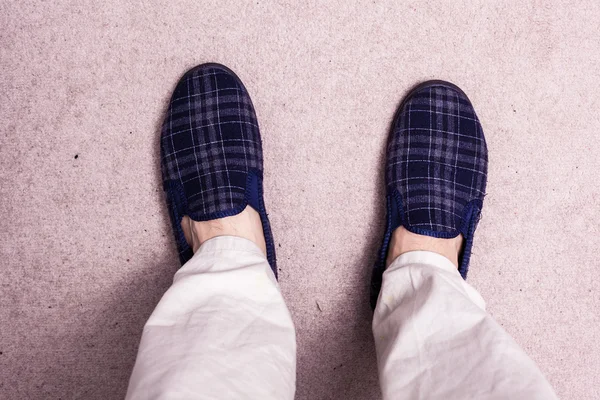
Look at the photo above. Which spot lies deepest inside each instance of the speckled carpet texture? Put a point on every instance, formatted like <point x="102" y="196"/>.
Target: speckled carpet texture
<point x="85" y="243"/>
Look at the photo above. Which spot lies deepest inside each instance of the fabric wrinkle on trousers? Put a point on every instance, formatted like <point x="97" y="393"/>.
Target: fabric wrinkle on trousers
<point x="222" y="331"/>
<point x="434" y="339"/>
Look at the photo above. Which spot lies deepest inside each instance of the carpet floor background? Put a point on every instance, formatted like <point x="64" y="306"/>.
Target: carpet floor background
<point x="85" y="243"/>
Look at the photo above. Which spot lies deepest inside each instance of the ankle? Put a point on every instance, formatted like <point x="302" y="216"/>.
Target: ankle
<point x="246" y="224"/>
<point x="403" y="241"/>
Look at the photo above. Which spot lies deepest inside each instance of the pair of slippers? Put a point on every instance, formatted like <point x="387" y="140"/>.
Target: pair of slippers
<point x="212" y="162"/>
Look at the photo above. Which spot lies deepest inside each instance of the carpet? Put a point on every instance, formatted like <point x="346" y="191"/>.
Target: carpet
<point x="86" y="248"/>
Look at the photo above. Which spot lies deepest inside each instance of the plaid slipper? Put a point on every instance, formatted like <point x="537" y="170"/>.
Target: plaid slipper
<point x="436" y="170"/>
<point x="211" y="153"/>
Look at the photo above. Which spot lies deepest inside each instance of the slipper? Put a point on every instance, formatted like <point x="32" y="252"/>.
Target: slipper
<point x="211" y="153"/>
<point x="436" y="171"/>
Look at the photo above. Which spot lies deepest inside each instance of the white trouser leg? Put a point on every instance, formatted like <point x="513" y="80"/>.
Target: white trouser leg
<point x="222" y="331"/>
<point x="435" y="340"/>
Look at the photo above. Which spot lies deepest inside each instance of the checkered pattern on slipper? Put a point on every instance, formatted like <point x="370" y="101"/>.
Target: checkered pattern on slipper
<point x="211" y="152"/>
<point x="436" y="171"/>
<point x="437" y="160"/>
<point x="210" y="140"/>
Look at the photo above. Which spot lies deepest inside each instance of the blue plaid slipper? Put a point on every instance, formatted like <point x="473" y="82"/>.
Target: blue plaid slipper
<point x="436" y="170"/>
<point x="211" y="153"/>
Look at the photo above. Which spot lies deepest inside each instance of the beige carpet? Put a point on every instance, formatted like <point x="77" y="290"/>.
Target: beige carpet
<point x="85" y="246"/>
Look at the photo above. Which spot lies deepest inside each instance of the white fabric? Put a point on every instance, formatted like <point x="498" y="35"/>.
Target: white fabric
<point x="222" y="331"/>
<point x="435" y="340"/>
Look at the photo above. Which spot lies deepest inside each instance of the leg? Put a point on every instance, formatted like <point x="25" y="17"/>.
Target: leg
<point x="221" y="331"/>
<point x="435" y="340"/>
